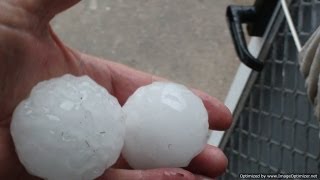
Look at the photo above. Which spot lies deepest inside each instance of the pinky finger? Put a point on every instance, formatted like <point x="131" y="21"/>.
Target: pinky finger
<point x="159" y="174"/>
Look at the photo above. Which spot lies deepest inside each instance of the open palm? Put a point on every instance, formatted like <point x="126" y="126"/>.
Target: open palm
<point x="30" y="52"/>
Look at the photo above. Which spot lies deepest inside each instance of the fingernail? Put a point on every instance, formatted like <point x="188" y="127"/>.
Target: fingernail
<point x="171" y="173"/>
<point x="203" y="178"/>
<point x="206" y="178"/>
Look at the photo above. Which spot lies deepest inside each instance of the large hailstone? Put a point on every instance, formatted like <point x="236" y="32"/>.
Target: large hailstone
<point x="69" y="128"/>
<point x="166" y="126"/>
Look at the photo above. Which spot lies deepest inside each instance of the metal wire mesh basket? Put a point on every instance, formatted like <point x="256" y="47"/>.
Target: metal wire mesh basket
<point x="276" y="131"/>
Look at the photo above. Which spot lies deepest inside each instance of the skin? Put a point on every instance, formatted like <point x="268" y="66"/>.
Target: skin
<point x="31" y="52"/>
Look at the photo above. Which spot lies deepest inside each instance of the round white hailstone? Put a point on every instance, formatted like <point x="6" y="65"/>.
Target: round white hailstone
<point x="166" y="126"/>
<point x="69" y="128"/>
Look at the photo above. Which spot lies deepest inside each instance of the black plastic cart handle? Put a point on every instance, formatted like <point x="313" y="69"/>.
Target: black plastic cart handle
<point x="257" y="18"/>
<point x="237" y="15"/>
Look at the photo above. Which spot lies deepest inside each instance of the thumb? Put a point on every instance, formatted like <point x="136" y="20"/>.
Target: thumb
<point x="45" y="10"/>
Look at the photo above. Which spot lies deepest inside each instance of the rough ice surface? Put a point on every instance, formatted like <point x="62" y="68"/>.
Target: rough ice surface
<point x="166" y="126"/>
<point x="69" y="128"/>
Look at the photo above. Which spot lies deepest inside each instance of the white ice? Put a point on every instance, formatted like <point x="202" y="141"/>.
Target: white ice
<point x="69" y="128"/>
<point x="166" y="126"/>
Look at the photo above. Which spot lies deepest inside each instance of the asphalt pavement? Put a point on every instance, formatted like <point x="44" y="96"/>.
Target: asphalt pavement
<point x="186" y="41"/>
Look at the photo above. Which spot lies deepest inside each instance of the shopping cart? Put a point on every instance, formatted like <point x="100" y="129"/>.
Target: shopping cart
<point x="274" y="129"/>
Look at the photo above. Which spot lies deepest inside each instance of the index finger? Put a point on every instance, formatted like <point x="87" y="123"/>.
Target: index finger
<point x="220" y="117"/>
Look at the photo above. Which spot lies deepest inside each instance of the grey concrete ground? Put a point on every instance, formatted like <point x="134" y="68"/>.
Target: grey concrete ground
<point x="186" y="41"/>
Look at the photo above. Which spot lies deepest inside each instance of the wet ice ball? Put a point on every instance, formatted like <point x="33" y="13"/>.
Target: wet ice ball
<point x="69" y="128"/>
<point x="166" y="126"/>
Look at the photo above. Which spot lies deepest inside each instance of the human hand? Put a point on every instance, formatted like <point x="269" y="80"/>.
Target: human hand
<point x="30" y="52"/>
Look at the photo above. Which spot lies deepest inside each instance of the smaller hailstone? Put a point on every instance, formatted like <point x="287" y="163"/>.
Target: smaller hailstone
<point x="166" y="126"/>
<point x="69" y="128"/>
